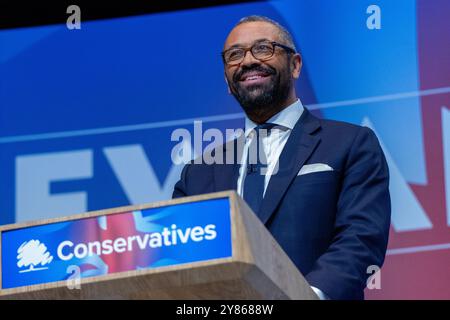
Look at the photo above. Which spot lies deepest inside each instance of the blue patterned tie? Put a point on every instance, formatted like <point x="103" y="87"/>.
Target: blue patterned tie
<point x="256" y="167"/>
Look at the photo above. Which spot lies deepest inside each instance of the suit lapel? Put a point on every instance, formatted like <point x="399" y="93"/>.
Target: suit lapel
<point x="297" y="150"/>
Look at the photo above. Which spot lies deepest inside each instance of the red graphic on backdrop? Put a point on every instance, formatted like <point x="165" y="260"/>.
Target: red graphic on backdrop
<point x="424" y="274"/>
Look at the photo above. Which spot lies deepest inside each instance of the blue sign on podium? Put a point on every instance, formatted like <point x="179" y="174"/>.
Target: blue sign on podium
<point x="106" y="244"/>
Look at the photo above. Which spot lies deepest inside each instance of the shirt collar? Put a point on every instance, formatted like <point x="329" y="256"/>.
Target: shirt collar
<point x="286" y="118"/>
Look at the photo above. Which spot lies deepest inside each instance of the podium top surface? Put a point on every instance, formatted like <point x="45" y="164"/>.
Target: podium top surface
<point x="165" y="203"/>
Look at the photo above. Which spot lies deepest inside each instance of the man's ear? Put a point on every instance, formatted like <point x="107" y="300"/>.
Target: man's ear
<point x="228" y="85"/>
<point x="296" y="65"/>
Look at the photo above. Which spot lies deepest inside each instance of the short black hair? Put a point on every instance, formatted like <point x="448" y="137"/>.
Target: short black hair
<point x="284" y="33"/>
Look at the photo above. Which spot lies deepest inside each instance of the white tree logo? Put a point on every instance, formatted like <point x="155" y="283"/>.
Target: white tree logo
<point x="32" y="253"/>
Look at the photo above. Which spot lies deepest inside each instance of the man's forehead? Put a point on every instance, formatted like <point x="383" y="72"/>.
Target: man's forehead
<point x="247" y="33"/>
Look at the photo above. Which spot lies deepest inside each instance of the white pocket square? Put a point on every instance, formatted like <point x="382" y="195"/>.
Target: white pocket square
<point x="314" y="167"/>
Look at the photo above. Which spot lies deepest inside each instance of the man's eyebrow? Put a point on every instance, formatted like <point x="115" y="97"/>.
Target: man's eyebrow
<point x="239" y="45"/>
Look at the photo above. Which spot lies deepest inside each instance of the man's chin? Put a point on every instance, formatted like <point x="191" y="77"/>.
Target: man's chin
<point x="254" y="92"/>
<point x="255" y="95"/>
<point x="254" y="101"/>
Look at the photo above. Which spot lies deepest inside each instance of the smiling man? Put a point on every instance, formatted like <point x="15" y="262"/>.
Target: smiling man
<point x="319" y="186"/>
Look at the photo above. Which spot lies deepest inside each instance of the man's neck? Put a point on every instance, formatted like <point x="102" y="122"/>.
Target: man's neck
<point x="267" y="113"/>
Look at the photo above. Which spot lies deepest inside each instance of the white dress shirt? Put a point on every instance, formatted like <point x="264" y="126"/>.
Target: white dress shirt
<point x="273" y="145"/>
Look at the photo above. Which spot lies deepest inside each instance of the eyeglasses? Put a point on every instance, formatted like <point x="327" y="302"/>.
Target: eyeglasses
<point x="262" y="51"/>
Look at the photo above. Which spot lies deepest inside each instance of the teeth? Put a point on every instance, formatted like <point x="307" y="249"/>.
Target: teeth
<point x="253" y="77"/>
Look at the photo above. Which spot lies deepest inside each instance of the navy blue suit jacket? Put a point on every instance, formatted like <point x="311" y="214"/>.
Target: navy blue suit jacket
<point x="332" y="224"/>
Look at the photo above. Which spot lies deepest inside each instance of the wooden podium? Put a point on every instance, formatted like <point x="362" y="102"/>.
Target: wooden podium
<point x="257" y="269"/>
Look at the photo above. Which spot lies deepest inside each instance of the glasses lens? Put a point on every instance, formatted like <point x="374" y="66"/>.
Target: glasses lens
<point x="262" y="50"/>
<point x="234" y="55"/>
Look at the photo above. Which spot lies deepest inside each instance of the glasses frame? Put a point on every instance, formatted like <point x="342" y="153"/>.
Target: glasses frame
<point x="246" y="49"/>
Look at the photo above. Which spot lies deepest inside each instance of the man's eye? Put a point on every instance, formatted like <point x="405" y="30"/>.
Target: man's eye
<point x="235" y="54"/>
<point x="262" y="48"/>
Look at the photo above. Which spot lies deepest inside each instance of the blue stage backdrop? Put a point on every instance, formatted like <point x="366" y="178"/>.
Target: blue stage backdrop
<point x="86" y="116"/>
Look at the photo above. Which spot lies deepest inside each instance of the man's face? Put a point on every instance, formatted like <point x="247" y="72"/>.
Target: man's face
<point x="259" y="85"/>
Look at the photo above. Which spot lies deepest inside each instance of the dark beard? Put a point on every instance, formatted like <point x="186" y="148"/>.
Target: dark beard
<point x="260" y="100"/>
